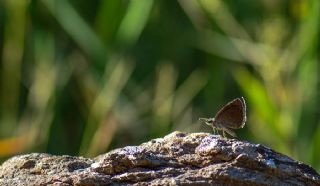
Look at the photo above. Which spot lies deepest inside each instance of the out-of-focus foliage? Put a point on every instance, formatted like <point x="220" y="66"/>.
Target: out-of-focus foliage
<point x="84" y="77"/>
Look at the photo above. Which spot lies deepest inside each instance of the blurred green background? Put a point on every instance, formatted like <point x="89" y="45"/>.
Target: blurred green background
<point x="84" y="77"/>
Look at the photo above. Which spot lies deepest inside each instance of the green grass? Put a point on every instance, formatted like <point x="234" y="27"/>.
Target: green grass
<point x="83" y="78"/>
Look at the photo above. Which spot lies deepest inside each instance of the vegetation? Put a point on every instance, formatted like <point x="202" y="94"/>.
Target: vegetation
<point x="84" y="77"/>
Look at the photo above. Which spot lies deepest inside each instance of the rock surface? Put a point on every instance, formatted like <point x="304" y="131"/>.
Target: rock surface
<point x="177" y="159"/>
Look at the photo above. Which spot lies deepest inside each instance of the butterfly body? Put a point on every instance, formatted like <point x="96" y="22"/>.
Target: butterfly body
<point x="231" y="116"/>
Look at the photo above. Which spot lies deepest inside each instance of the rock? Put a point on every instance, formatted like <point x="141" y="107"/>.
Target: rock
<point x="177" y="159"/>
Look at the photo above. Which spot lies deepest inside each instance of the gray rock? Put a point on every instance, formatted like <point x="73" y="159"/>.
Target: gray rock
<point x="177" y="159"/>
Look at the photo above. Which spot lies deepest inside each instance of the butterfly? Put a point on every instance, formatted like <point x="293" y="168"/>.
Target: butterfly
<point x="231" y="116"/>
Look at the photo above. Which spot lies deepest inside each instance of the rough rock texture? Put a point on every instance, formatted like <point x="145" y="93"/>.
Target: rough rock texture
<point x="176" y="159"/>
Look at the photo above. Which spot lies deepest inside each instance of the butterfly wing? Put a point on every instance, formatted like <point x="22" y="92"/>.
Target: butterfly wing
<point x="233" y="114"/>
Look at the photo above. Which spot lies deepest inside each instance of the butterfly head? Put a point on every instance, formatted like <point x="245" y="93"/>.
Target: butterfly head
<point x="208" y="121"/>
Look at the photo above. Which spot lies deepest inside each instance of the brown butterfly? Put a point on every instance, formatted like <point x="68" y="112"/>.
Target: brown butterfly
<point x="231" y="116"/>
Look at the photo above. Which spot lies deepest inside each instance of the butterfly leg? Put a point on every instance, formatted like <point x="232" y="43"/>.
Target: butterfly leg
<point x="218" y="132"/>
<point x="229" y="131"/>
<point x="214" y="130"/>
